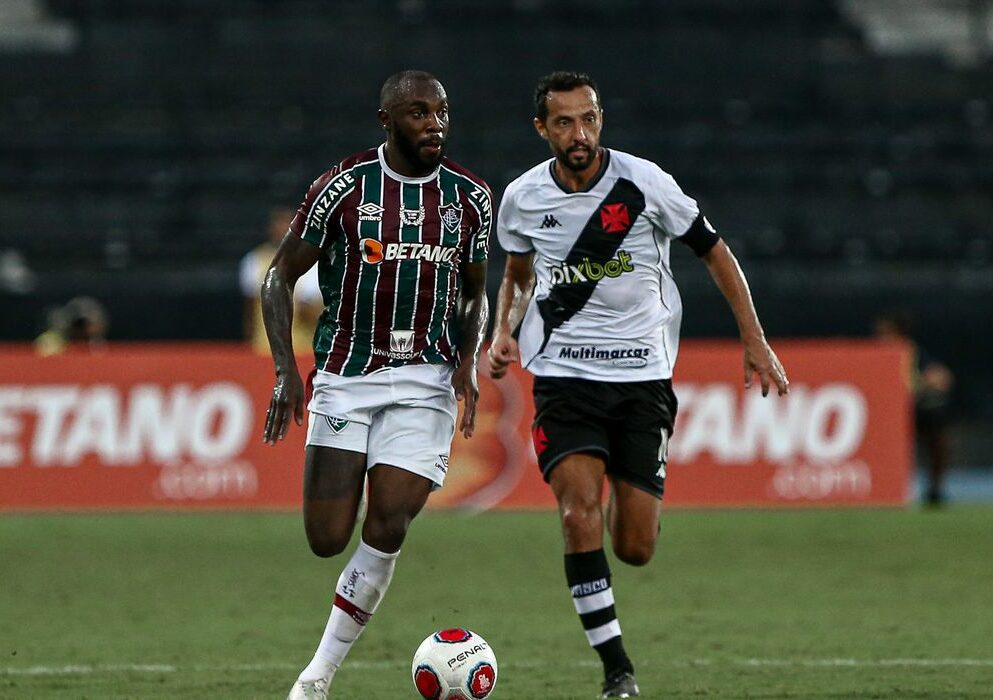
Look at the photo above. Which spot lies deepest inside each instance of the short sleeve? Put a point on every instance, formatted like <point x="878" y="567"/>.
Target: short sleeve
<point x="315" y="215"/>
<point x="669" y="207"/>
<point x="479" y="238"/>
<point x="509" y="231"/>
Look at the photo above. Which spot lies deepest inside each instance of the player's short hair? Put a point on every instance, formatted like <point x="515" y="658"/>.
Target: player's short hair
<point x="559" y="81"/>
<point x="397" y="84"/>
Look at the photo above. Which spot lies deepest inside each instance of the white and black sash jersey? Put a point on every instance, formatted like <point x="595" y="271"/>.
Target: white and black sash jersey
<point x="605" y="305"/>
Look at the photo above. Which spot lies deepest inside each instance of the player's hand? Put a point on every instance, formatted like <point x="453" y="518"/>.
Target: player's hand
<point x="761" y="360"/>
<point x="466" y="387"/>
<point x="287" y="397"/>
<point x="502" y="352"/>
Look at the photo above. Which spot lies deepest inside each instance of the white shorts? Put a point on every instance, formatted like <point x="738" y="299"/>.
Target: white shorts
<point x="402" y="416"/>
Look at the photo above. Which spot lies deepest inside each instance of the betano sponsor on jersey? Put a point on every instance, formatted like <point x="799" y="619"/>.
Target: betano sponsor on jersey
<point x="374" y="252"/>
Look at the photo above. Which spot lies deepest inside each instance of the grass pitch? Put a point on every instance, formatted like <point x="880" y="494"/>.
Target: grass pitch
<point x="816" y="604"/>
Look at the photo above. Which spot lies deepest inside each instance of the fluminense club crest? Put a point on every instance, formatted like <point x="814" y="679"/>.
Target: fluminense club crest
<point x="336" y="424"/>
<point x="451" y="216"/>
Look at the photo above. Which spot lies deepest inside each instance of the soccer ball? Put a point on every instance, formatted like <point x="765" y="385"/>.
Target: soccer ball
<point x="454" y="664"/>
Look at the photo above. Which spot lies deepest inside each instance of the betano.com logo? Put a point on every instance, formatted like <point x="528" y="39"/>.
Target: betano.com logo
<point x="813" y="437"/>
<point x="196" y="435"/>
<point x="374" y="252"/>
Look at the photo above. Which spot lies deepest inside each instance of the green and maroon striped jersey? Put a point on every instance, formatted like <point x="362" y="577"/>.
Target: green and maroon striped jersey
<point x="393" y="247"/>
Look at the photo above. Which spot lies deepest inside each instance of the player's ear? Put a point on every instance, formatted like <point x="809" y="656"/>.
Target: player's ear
<point x="384" y="119"/>
<point x="539" y="126"/>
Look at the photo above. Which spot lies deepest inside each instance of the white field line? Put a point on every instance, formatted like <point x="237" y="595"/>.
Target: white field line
<point x="87" y="669"/>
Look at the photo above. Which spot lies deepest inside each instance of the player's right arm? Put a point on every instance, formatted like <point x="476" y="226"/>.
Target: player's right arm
<point x="293" y="258"/>
<point x="512" y="302"/>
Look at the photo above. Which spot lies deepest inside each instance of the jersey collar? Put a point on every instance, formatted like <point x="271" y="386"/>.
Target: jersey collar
<point x="403" y="178"/>
<point x="594" y="181"/>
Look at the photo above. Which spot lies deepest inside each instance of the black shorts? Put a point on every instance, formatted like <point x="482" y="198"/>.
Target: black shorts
<point x="627" y="423"/>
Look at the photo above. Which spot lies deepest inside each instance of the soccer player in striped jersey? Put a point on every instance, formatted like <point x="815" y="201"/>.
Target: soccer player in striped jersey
<point x="399" y="234"/>
<point x="600" y="332"/>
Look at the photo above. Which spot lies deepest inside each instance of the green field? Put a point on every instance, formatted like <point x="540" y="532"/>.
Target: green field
<point x="819" y="604"/>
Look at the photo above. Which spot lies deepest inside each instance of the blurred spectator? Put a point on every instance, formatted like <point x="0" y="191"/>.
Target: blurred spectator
<point x="931" y="383"/>
<point x="15" y="275"/>
<point x="79" y="325"/>
<point x="308" y="303"/>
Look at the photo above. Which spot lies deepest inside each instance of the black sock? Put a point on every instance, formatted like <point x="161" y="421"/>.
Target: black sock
<point x="588" y="576"/>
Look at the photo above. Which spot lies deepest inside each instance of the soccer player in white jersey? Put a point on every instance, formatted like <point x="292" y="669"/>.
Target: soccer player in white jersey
<point x="400" y="236"/>
<point x="587" y="283"/>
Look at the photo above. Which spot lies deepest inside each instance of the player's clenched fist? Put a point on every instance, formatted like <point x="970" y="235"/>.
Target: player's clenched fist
<point x="502" y="352"/>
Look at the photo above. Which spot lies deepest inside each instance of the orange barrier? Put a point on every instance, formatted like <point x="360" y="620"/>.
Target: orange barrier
<point x="179" y="426"/>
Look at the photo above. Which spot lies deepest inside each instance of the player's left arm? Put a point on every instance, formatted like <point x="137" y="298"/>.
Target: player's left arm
<point x="472" y="317"/>
<point x="759" y="356"/>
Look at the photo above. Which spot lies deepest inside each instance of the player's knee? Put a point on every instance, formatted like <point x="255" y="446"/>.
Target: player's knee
<point x="580" y="519"/>
<point x="634" y="553"/>
<point x="327" y="544"/>
<point x="386" y="533"/>
<point x="328" y="539"/>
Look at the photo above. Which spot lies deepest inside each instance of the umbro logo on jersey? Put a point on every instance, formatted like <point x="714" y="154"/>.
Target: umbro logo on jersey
<point x="615" y="218"/>
<point x="549" y="222"/>
<point x="442" y="463"/>
<point x="370" y="211"/>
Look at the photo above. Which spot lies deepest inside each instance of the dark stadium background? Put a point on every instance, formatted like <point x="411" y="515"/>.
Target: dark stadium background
<point x="844" y="150"/>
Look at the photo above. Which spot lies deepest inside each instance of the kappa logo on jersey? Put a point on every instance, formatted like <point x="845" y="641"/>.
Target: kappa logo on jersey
<point x="370" y="211"/>
<point x="615" y="218"/>
<point x="374" y="252"/>
<point x="451" y="217"/>
<point x="589" y="271"/>
<point x="336" y="424"/>
<point x="412" y="217"/>
<point x="549" y="222"/>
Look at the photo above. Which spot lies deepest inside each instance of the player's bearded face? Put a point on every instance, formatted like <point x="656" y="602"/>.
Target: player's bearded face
<point x="426" y="150"/>
<point x="572" y="127"/>
<point x="577" y="156"/>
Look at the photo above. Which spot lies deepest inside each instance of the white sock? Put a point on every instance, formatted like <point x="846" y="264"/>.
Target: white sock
<point x="361" y="586"/>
